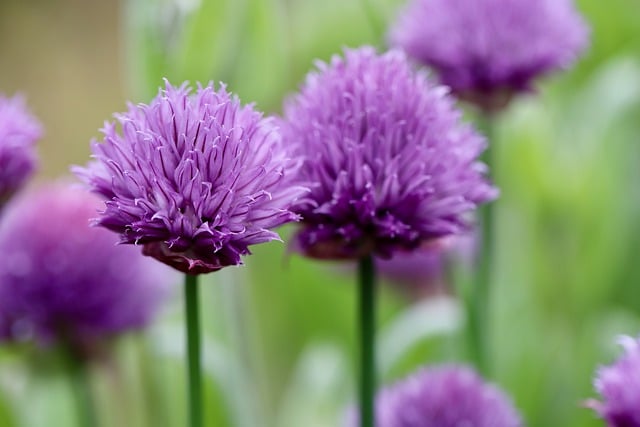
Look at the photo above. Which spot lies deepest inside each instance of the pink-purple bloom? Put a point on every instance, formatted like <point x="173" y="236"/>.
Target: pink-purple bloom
<point x="488" y="50"/>
<point x="444" y="396"/>
<point x="19" y="131"/>
<point x="64" y="282"/>
<point x="194" y="178"/>
<point x="619" y="386"/>
<point x="389" y="162"/>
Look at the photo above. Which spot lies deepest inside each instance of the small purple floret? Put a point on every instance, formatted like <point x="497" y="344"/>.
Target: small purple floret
<point x="489" y="50"/>
<point x="445" y="396"/>
<point x="64" y="282"/>
<point x="619" y="386"/>
<point x="195" y="179"/>
<point x="389" y="162"/>
<point x="19" y="131"/>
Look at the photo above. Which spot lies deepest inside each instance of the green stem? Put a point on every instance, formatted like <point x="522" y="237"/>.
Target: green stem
<point x="367" y="318"/>
<point x="194" y="366"/>
<point x="480" y="295"/>
<point x="83" y="392"/>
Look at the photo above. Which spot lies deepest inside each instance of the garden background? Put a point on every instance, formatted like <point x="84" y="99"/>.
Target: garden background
<point x="280" y="335"/>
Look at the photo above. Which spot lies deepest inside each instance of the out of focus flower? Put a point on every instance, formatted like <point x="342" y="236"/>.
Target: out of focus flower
<point x="64" y="282"/>
<point x="422" y="273"/>
<point x="489" y="50"/>
<point x="619" y="386"/>
<point x="445" y="396"/>
<point x="194" y="179"/>
<point x="390" y="164"/>
<point x="19" y="131"/>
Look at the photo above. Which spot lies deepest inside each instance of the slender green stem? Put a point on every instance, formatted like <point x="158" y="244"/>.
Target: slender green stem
<point x="82" y="391"/>
<point x="480" y="295"/>
<point x="194" y="366"/>
<point x="367" y="318"/>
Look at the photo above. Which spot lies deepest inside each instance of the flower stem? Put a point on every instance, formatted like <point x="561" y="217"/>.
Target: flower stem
<point x="479" y="304"/>
<point x="83" y="392"/>
<point x="194" y="368"/>
<point x="367" y="315"/>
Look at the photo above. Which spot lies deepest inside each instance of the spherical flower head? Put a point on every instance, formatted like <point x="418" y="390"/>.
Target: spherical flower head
<point x="389" y="163"/>
<point x="489" y="50"/>
<point x="19" y="131"/>
<point x="444" y="396"/>
<point x="195" y="179"/>
<point x="64" y="282"/>
<point x="619" y="386"/>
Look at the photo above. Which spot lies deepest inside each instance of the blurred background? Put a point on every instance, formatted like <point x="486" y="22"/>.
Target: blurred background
<point x="280" y="336"/>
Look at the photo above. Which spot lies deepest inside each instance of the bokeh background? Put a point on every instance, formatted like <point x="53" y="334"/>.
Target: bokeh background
<point x="280" y="337"/>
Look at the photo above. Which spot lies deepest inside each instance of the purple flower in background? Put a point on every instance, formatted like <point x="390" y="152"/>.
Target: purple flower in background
<point x="19" y="131"/>
<point x="195" y="179"/>
<point x="422" y="273"/>
<point x="619" y="386"/>
<point x="445" y="396"/>
<point x="62" y="281"/>
<point x="416" y="273"/>
<point x="488" y="50"/>
<point x="389" y="163"/>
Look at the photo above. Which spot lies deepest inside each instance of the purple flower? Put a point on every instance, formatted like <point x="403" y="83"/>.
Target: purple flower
<point x="446" y="396"/>
<point x="62" y="281"/>
<point x="422" y="273"/>
<point x="19" y="131"/>
<point x="487" y="50"/>
<point x="390" y="164"/>
<point x="195" y="179"/>
<point x="619" y="386"/>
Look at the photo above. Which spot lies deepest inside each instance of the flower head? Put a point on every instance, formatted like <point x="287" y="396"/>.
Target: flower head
<point x="445" y="396"/>
<point x="19" y="131"/>
<point x="62" y="281"/>
<point x="619" y="386"/>
<point x="488" y="50"/>
<point x="422" y="273"/>
<point x="388" y="160"/>
<point x="196" y="179"/>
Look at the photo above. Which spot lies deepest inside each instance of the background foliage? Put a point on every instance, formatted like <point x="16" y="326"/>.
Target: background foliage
<point x="279" y="333"/>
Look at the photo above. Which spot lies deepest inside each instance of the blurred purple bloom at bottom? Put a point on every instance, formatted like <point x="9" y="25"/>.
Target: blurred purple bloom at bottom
<point x="445" y="396"/>
<point x="64" y="282"/>
<point x="619" y="386"/>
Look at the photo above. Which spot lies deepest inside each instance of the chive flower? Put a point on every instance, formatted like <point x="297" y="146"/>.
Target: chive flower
<point x="489" y="50"/>
<point x="444" y="396"/>
<point x="388" y="160"/>
<point x="19" y="131"/>
<point x="64" y="282"/>
<point x="194" y="178"/>
<point x="619" y="386"/>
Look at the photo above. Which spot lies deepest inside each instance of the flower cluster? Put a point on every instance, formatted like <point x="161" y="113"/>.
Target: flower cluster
<point x="62" y="281"/>
<point x="196" y="179"/>
<point x="444" y="396"/>
<point x="389" y="163"/>
<point x="19" y="131"/>
<point x="619" y="386"/>
<point x="487" y="50"/>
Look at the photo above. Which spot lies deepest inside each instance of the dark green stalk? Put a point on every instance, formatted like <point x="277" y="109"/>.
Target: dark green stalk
<point x="367" y="321"/>
<point x="480" y="295"/>
<point x="82" y="391"/>
<point x="194" y="364"/>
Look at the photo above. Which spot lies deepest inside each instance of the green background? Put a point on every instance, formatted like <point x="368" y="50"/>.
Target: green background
<point x="280" y="338"/>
